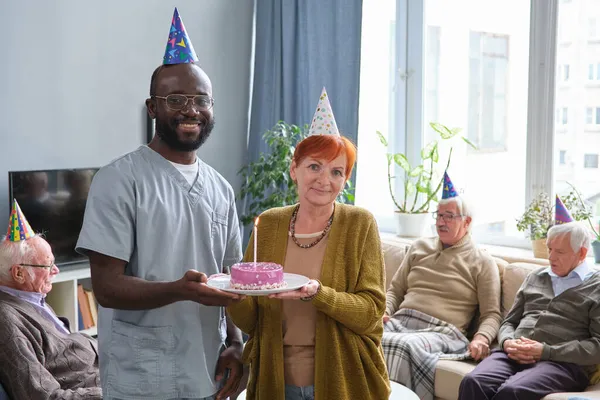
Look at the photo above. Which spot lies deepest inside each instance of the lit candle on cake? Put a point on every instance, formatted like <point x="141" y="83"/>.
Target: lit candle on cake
<point x="255" y="238"/>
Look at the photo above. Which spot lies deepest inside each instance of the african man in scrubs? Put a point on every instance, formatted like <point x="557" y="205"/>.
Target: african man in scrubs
<point x="158" y="221"/>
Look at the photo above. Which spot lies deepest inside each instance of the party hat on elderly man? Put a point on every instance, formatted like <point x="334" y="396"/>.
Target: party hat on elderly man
<point x="448" y="190"/>
<point x="179" y="46"/>
<point x="18" y="227"/>
<point x="323" y="122"/>
<point x="561" y="214"/>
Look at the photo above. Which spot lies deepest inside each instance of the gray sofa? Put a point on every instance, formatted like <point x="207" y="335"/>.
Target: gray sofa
<point x="512" y="272"/>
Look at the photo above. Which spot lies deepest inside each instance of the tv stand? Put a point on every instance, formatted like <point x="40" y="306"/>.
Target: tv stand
<point x="63" y="296"/>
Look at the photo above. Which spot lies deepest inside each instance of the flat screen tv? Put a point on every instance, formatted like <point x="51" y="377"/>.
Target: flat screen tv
<point x="53" y="202"/>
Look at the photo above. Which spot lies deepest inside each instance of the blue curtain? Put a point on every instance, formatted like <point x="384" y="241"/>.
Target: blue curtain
<point x="301" y="47"/>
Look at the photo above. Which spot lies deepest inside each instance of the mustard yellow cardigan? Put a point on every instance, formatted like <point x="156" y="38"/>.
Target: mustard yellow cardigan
<point x="349" y="361"/>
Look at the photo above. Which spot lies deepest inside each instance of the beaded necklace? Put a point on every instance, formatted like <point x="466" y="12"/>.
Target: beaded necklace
<point x="293" y="230"/>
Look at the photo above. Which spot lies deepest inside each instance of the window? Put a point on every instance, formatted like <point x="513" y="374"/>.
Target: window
<point x="376" y="111"/>
<point x="465" y="70"/>
<point x="562" y="116"/>
<point x="592" y="116"/>
<point x="562" y="157"/>
<point x="581" y="145"/>
<point x="593" y="72"/>
<point x="488" y="68"/>
<point x="590" y="161"/>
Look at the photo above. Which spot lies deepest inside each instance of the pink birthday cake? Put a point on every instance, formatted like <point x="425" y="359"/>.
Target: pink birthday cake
<point x="257" y="276"/>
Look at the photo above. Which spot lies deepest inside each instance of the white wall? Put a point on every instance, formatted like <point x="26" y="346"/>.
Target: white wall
<point x="74" y="76"/>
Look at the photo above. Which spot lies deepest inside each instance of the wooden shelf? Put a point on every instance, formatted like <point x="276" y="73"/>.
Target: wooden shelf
<point x="93" y="331"/>
<point x="63" y="296"/>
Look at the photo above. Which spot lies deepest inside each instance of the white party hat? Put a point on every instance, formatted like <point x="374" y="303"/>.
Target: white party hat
<point x="323" y="123"/>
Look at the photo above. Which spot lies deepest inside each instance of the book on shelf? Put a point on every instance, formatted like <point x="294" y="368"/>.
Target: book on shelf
<point x="93" y="306"/>
<point x="85" y="307"/>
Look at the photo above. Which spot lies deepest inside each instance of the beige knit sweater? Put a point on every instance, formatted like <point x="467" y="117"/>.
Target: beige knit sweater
<point x="449" y="284"/>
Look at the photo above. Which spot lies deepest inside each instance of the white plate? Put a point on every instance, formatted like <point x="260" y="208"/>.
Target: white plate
<point x="294" y="281"/>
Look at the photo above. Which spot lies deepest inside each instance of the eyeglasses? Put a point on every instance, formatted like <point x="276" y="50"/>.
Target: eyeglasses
<point x="446" y="217"/>
<point x="178" y="102"/>
<point x="37" y="265"/>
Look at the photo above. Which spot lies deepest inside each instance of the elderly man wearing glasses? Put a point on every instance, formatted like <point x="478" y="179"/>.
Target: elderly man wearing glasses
<point x="39" y="357"/>
<point x="435" y="295"/>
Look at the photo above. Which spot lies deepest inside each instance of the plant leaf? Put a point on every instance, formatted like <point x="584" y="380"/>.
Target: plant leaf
<point x="426" y="151"/>
<point x="435" y="155"/>
<point x="402" y="161"/>
<point x="382" y="138"/>
<point x="410" y="187"/>
<point x="418" y="170"/>
<point x="422" y="189"/>
<point x="445" y="132"/>
<point x="467" y="141"/>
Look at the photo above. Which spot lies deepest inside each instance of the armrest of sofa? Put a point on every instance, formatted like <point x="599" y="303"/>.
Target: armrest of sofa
<point x="394" y="250"/>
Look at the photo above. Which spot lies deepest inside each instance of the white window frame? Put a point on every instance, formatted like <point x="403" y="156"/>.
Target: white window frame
<point x="409" y="100"/>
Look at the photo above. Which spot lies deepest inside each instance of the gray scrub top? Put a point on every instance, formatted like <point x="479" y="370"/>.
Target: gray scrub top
<point x="142" y="210"/>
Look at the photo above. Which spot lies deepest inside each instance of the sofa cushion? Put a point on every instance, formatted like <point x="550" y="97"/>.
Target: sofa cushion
<point x="592" y="392"/>
<point x="501" y="266"/>
<point x="514" y="275"/>
<point x="448" y="375"/>
<point x="393" y="254"/>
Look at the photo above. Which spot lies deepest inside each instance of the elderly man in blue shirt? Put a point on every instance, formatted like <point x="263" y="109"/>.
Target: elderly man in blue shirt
<point x="39" y="357"/>
<point x="550" y="339"/>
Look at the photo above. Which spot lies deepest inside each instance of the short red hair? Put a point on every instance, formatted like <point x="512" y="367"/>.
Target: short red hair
<point x="327" y="147"/>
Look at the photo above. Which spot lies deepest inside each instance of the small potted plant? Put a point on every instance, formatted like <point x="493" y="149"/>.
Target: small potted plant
<point x="535" y="222"/>
<point x="421" y="182"/>
<point x="538" y="218"/>
<point x="582" y="211"/>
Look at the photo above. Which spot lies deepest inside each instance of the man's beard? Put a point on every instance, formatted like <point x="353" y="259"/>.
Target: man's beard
<point x="167" y="133"/>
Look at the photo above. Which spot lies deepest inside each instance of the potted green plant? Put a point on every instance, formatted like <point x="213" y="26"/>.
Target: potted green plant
<point x="266" y="183"/>
<point x="538" y="218"/>
<point x="421" y="182"/>
<point x="535" y="222"/>
<point x="582" y="211"/>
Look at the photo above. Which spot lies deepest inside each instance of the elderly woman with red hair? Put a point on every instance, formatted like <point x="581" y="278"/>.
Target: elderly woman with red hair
<point x="322" y="341"/>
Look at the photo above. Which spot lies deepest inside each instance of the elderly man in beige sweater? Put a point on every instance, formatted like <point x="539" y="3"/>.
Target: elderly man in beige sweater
<point x="435" y="295"/>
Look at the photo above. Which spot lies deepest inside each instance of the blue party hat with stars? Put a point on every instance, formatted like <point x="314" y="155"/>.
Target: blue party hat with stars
<point x="561" y="214"/>
<point x="448" y="190"/>
<point x="179" y="46"/>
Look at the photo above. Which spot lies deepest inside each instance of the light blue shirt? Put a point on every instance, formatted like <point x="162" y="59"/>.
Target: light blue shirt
<point x="142" y="210"/>
<point x="38" y="300"/>
<point x="576" y="277"/>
